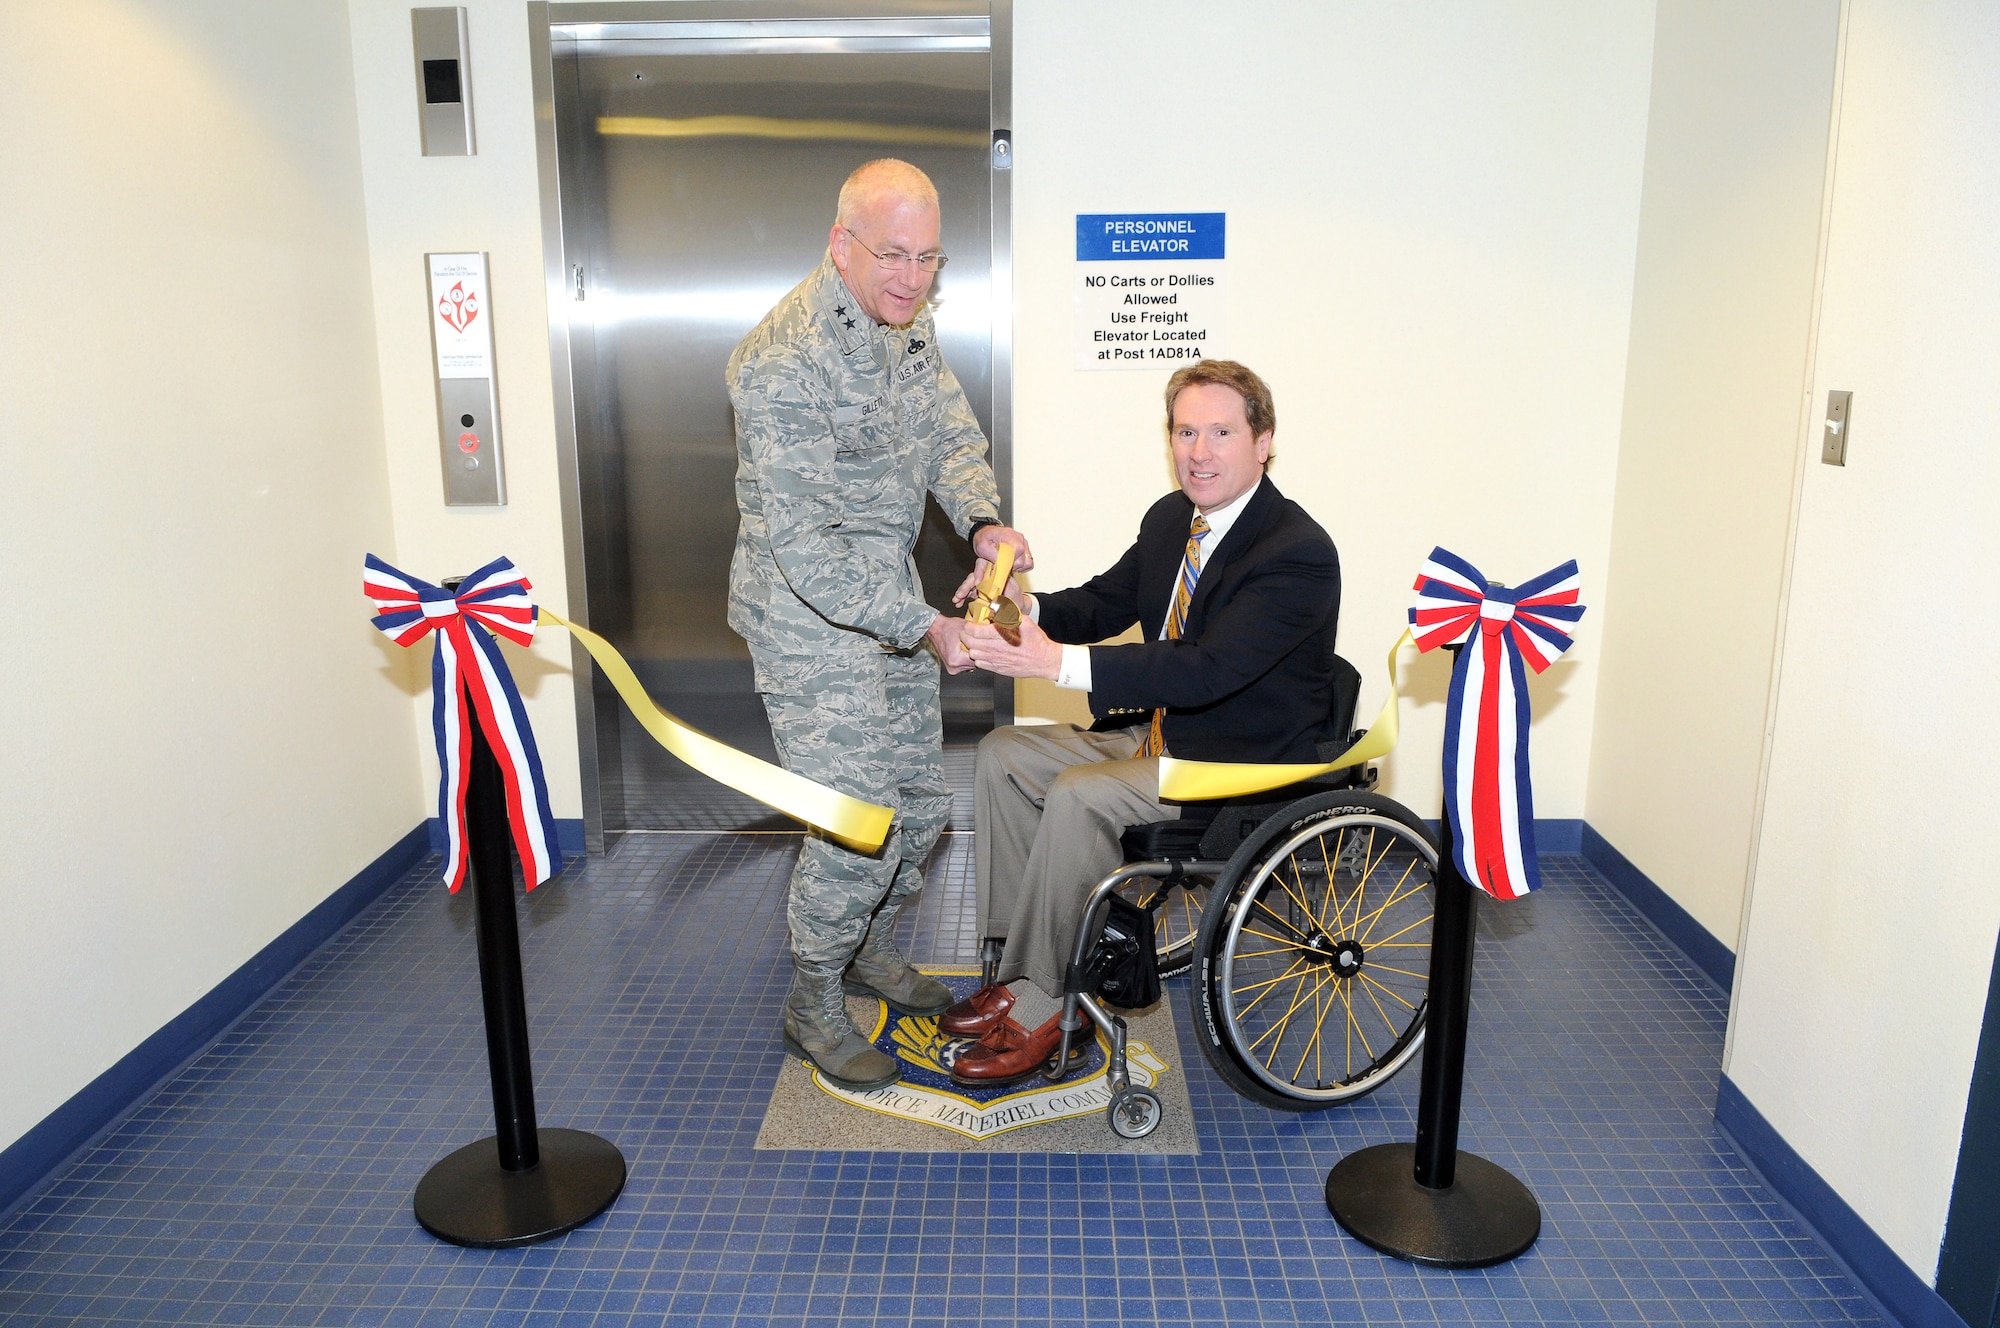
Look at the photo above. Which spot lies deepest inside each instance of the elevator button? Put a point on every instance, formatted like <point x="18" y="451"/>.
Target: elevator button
<point x="466" y="420"/>
<point x="468" y="442"/>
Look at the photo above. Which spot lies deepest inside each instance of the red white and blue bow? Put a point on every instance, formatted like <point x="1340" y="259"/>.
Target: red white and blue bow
<point x="468" y="660"/>
<point x="1487" y="791"/>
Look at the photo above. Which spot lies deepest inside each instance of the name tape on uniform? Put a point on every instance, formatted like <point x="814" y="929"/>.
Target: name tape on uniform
<point x="1149" y="290"/>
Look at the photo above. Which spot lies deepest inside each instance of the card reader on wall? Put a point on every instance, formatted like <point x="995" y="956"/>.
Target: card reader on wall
<point x="444" y="81"/>
<point x="468" y="407"/>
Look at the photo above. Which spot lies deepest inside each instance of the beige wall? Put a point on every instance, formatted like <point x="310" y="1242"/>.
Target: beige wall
<point x="489" y="201"/>
<point x="204" y="738"/>
<point x="1432" y="223"/>
<point x="1432" y="216"/>
<point x="1870" y="932"/>
<point x="1736" y="153"/>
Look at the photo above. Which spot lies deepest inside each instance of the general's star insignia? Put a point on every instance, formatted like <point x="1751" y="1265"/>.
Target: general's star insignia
<point x="840" y="309"/>
<point x="849" y="322"/>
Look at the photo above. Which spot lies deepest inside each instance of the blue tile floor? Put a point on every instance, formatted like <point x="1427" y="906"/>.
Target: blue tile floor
<point x="270" y="1181"/>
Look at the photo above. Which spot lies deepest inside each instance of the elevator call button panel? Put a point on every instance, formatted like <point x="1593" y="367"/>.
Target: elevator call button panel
<point x="468" y="407"/>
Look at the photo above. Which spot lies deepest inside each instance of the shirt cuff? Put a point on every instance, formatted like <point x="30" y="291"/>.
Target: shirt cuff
<point x="1075" y="671"/>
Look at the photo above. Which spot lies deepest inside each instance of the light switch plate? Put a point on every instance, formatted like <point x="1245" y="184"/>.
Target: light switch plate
<point x="1833" y="451"/>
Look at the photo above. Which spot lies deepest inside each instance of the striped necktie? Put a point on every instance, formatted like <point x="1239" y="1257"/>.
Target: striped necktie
<point x="1156" y="743"/>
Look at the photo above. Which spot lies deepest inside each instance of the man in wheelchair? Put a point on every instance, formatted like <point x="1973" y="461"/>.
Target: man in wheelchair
<point x="1236" y="591"/>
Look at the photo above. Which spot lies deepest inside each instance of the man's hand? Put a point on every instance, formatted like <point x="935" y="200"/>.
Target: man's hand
<point x="943" y="636"/>
<point x="971" y="583"/>
<point x="986" y="543"/>
<point x="1035" y="657"/>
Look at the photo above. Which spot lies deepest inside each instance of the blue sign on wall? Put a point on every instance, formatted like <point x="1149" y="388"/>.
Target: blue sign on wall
<point x="1135" y="236"/>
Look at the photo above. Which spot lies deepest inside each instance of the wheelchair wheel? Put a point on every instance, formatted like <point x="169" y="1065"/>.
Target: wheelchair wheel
<point x="1313" y="962"/>
<point x="1135" y="1113"/>
<point x="1177" y="922"/>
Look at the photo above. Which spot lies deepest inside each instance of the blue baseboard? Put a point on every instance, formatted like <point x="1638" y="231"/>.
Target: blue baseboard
<point x="1553" y="834"/>
<point x="1900" y="1293"/>
<point x="29" y="1160"/>
<point x="569" y="835"/>
<point x="1558" y="834"/>
<point x="1676" y="923"/>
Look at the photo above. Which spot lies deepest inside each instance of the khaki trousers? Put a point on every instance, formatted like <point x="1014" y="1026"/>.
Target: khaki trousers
<point x="1051" y="801"/>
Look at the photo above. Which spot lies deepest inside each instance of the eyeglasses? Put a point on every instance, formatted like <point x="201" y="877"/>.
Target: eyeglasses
<point x="898" y="261"/>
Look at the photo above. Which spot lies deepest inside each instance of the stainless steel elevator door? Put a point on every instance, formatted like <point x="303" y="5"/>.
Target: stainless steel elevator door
<point x="698" y="181"/>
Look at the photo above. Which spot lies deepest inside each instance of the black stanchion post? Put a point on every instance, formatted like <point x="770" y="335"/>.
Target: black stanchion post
<point x="1453" y="930"/>
<point x="521" y="1184"/>
<point x="1427" y="1202"/>
<point x="500" y="987"/>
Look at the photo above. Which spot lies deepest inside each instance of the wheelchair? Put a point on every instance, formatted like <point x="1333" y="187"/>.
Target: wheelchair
<point x="1305" y="915"/>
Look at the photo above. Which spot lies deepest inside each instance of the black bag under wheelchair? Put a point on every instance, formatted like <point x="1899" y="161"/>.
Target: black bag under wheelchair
<point x="1124" y="968"/>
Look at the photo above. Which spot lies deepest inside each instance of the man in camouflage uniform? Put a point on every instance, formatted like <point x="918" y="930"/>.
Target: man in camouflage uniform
<point x="846" y="416"/>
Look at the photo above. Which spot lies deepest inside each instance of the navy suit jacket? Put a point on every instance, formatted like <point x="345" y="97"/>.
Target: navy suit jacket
<point x="1251" y="677"/>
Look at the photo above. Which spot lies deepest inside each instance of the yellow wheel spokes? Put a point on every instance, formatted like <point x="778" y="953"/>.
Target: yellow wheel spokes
<point x="1331" y="917"/>
<point x="1390" y="939"/>
<point x="1298" y="966"/>
<point x="1332" y="889"/>
<point x="1397" y="894"/>
<point x="1361" y="1033"/>
<point x="1388" y="991"/>
<point x="1343" y="877"/>
<point x="1284" y="1021"/>
<point x="1312" y="1043"/>
<point x="1389" y="1023"/>
<point x="1301" y="904"/>
<point x="1283" y="946"/>
<point x="1259" y="907"/>
<point x="1294" y="940"/>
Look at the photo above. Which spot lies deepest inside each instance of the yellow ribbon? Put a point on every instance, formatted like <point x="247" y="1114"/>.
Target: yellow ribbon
<point x="1193" y="781"/>
<point x="859" y="825"/>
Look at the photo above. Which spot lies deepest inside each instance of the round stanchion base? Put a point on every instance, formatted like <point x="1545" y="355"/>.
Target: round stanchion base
<point x="1484" y="1217"/>
<point x="468" y="1200"/>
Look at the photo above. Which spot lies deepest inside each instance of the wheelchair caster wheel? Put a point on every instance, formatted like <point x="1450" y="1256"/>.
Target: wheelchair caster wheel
<point x="1135" y="1113"/>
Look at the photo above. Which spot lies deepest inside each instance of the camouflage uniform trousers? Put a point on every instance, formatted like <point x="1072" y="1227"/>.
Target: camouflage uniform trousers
<point x="869" y="725"/>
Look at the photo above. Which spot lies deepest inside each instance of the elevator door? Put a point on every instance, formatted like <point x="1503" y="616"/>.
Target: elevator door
<point x="698" y="169"/>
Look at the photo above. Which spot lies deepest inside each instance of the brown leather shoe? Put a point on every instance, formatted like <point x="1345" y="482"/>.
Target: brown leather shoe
<point x="977" y="1013"/>
<point x="1009" y="1052"/>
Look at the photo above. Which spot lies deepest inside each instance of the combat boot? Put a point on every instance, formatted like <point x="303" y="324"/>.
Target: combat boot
<point x="817" y="1032"/>
<point x="879" y="970"/>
